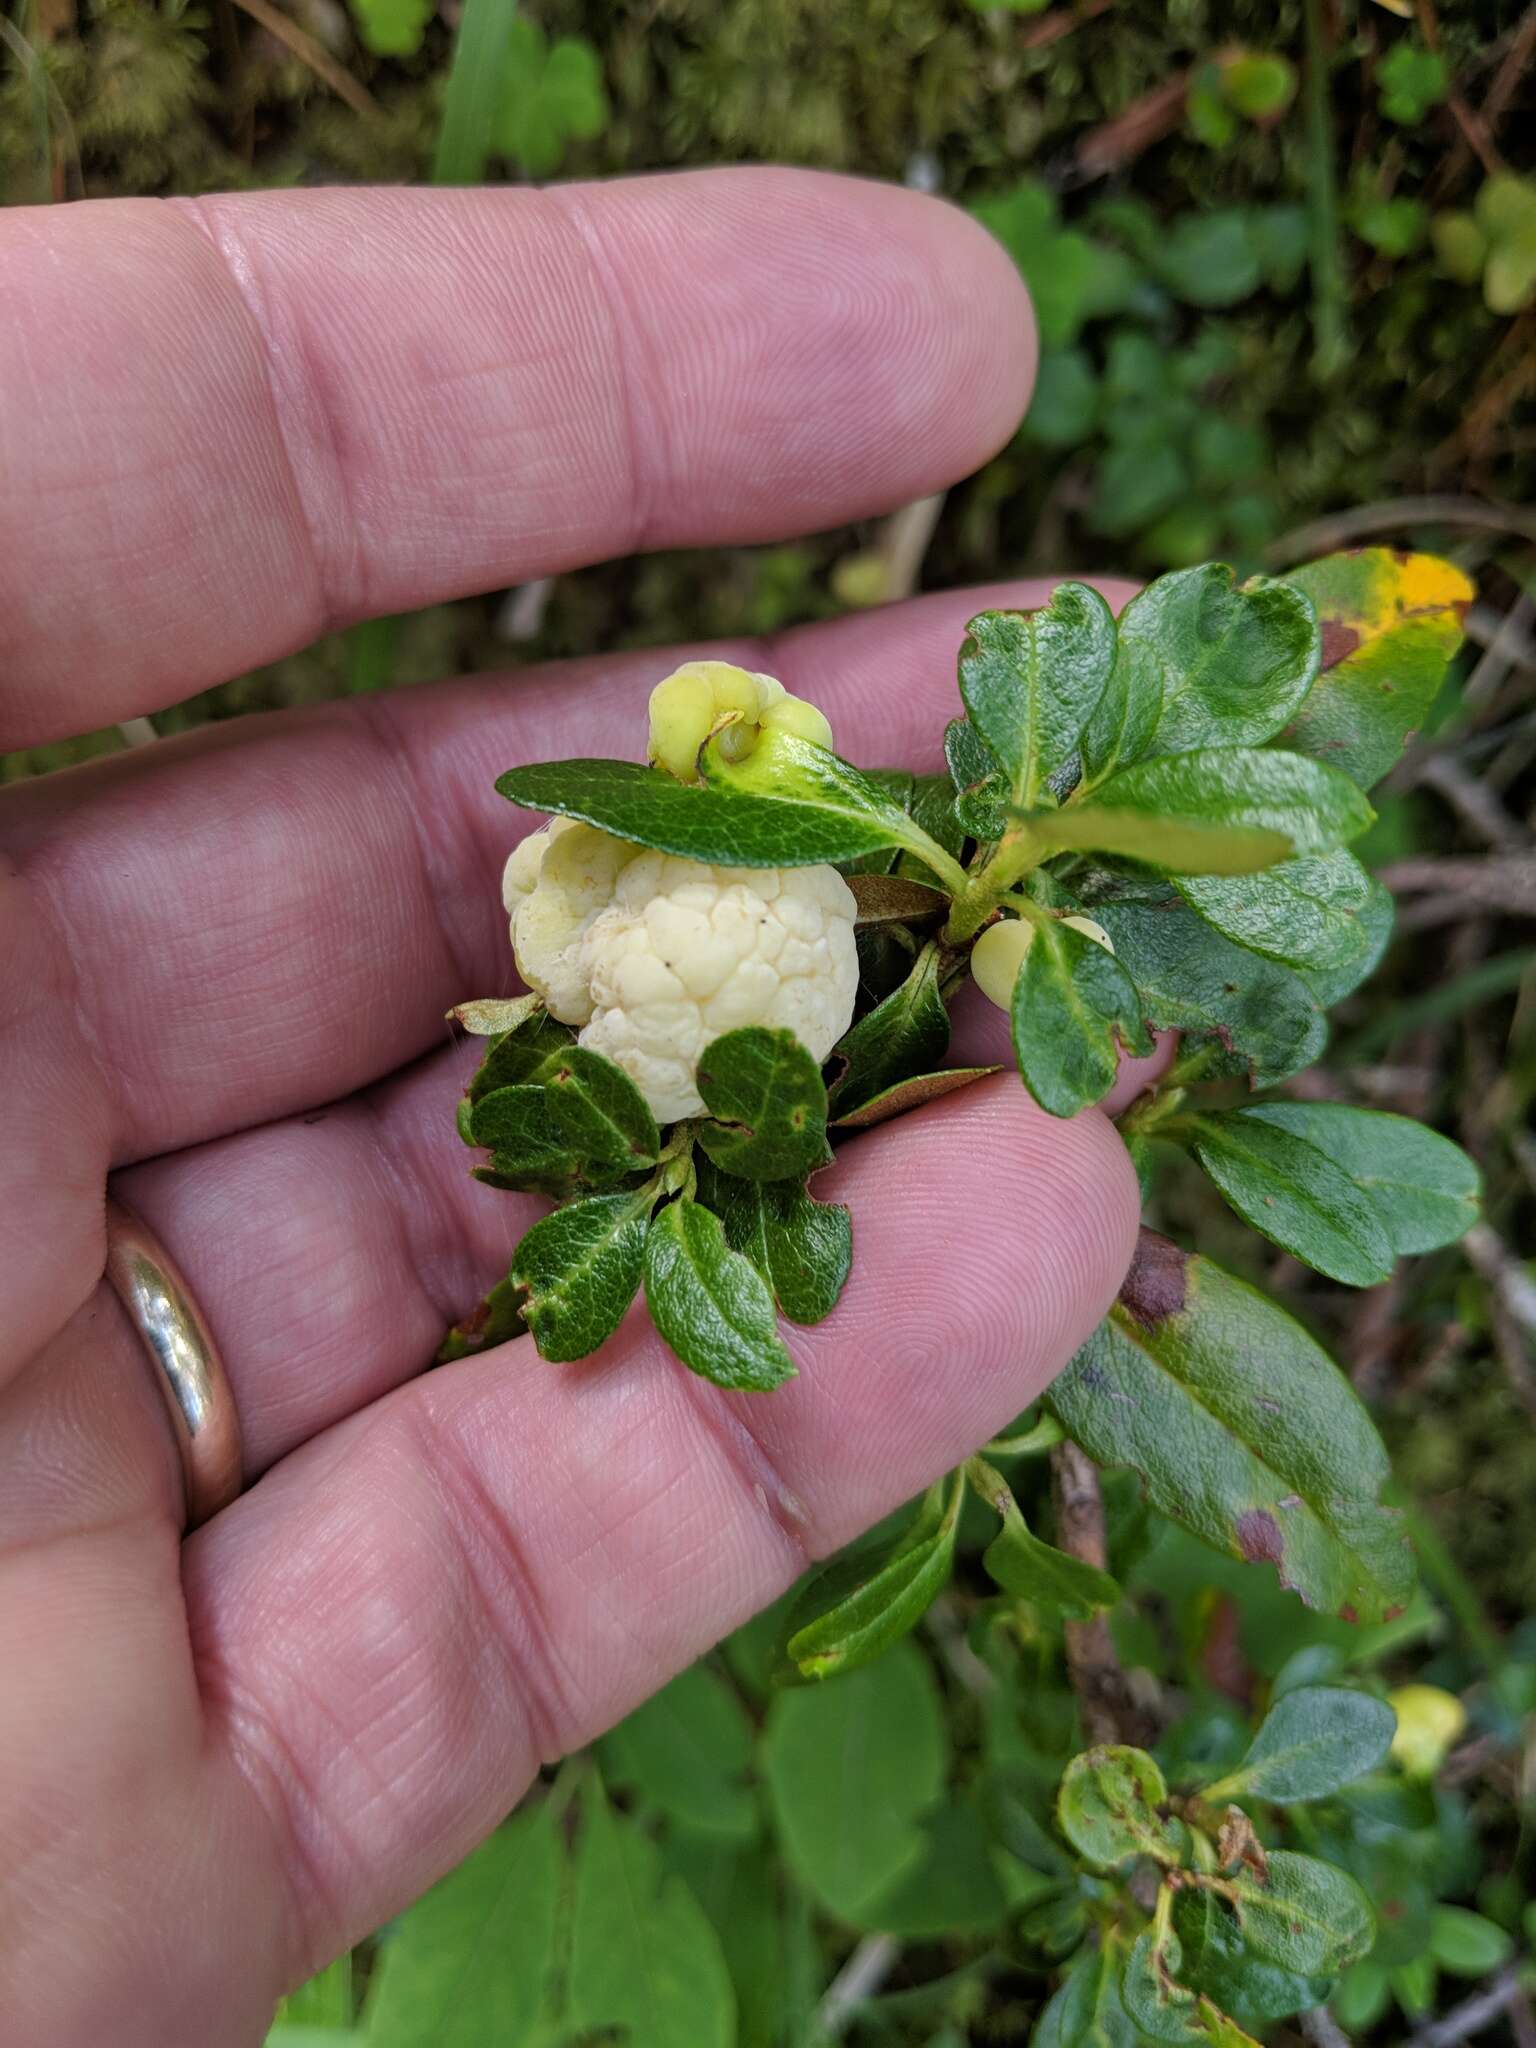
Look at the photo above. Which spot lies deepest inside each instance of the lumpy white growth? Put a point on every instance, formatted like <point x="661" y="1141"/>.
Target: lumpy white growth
<point x="654" y="957"/>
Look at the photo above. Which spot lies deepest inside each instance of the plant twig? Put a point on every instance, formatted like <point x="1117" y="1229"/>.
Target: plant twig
<point x="1365" y="522"/>
<point x="1322" y="2029"/>
<point x="903" y="542"/>
<point x="1474" y="2013"/>
<point x="1477" y="806"/>
<point x="315" y="55"/>
<point x="859" y="1978"/>
<point x="1109" y="1709"/>
<point x="1503" y="884"/>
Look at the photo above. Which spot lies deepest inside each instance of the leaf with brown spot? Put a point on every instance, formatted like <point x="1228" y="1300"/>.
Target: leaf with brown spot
<point x="1242" y="1428"/>
<point x="1390" y="623"/>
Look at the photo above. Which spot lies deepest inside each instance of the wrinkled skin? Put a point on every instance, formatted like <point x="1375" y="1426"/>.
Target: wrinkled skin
<point x="227" y="962"/>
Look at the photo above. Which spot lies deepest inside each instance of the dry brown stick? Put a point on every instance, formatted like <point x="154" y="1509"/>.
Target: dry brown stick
<point x="1050" y="28"/>
<point x="1478" y="807"/>
<point x="1502" y="883"/>
<point x="314" y="54"/>
<point x="1109" y="1709"/>
<point x="1521" y="49"/>
<point x="1322" y="2029"/>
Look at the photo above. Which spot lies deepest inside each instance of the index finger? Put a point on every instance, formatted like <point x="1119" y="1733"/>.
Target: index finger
<point x="282" y="411"/>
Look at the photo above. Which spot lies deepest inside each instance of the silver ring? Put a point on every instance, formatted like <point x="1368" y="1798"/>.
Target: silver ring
<point x="188" y="1370"/>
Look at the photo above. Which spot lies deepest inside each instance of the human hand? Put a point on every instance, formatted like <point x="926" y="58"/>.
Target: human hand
<point x="231" y="426"/>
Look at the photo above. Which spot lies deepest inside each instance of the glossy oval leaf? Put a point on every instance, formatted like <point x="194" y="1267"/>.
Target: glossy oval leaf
<point x="872" y="1605"/>
<point x="1390" y="623"/>
<point x="1295" y="1196"/>
<point x="1234" y="660"/>
<point x="911" y="1094"/>
<point x="803" y="1248"/>
<point x="1312" y="1741"/>
<point x="851" y="1770"/>
<point x="1074" y="1006"/>
<point x="769" y="1102"/>
<point x="1217" y="1963"/>
<point x="600" y="1111"/>
<point x="1425" y="1189"/>
<point x="1109" y="1805"/>
<point x="728" y="824"/>
<point x="1242" y="1428"/>
<point x="710" y="1304"/>
<point x="1125" y="718"/>
<point x="981" y="787"/>
<point x="517" y="1056"/>
<point x="1030" y="680"/>
<point x="1161" y="2006"/>
<point x="1191" y="979"/>
<point x="579" y="1270"/>
<point x="1312" y="912"/>
<point x="1086" y="2012"/>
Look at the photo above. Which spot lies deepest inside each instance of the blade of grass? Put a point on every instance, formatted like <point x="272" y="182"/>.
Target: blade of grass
<point x="1480" y="984"/>
<point x="473" y="98"/>
<point x="1330" y="335"/>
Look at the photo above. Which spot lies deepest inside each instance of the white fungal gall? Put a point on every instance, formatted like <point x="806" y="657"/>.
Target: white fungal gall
<point x="654" y="957"/>
<point x="706" y="697"/>
<point x="999" y="953"/>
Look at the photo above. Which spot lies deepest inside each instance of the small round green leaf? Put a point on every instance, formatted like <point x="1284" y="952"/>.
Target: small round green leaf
<point x="766" y="1094"/>
<point x="1308" y="1916"/>
<point x="1296" y="1196"/>
<point x="1465" y="1943"/>
<point x="580" y="1268"/>
<point x="601" y="1112"/>
<point x="1074" y="1006"/>
<point x="1108" y="1807"/>
<point x="1030" y="681"/>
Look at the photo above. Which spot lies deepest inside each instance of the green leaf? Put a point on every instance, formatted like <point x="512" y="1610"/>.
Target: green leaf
<point x="1108" y="1808"/>
<point x="851" y="1769"/>
<point x="1227" y="810"/>
<point x="1390" y="625"/>
<point x="1209" y="259"/>
<point x="1331" y="985"/>
<point x="739" y="1890"/>
<point x="1064" y="406"/>
<point x="819" y="785"/>
<point x="581" y="1267"/>
<point x="1410" y="80"/>
<point x="324" y="2000"/>
<point x="518" y="1056"/>
<point x="1295" y="1196"/>
<point x="497" y="1320"/>
<point x="518" y="1124"/>
<point x="953" y="1887"/>
<point x="468" y="1963"/>
<point x="767" y="1094"/>
<point x="1191" y="979"/>
<point x="1087" y="2011"/>
<point x="1163" y="2008"/>
<point x="1073" y="1007"/>
<point x="1314" y="912"/>
<point x="981" y="788"/>
<point x="1035" y="1571"/>
<point x="852" y="1610"/>
<point x="1233" y="660"/>
<point x="1125" y="717"/>
<point x="1312" y="1741"/>
<point x="1242" y="1428"/>
<point x="829" y="813"/>
<point x="644" y="1960"/>
<point x="710" y="1304"/>
<point x="1308" y="1916"/>
<point x="1030" y="680"/>
<point x="1217" y="1963"/>
<point x="550" y="94"/>
<point x="1424" y="1189"/>
<point x="600" y="1110"/>
<point x="688" y="1751"/>
<point x="1465" y="1943"/>
<point x="392" y="28"/>
<point x="911" y="1094"/>
<point x="803" y="1248"/>
<point x="905" y="1035"/>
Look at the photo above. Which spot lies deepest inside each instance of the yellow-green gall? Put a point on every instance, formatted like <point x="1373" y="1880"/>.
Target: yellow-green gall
<point x="999" y="953"/>
<point x="703" y="698"/>
<point x="1429" y="1723"/>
